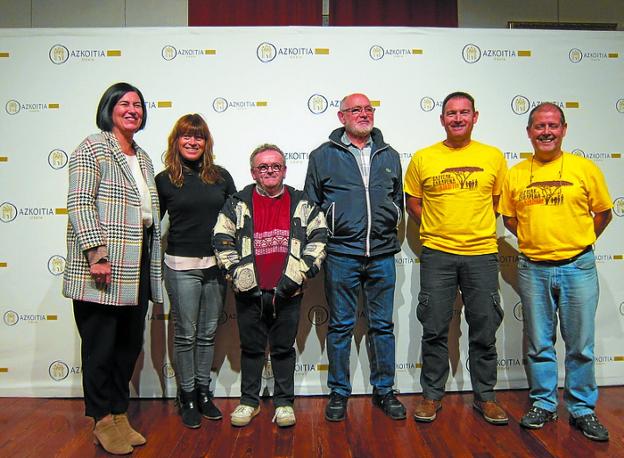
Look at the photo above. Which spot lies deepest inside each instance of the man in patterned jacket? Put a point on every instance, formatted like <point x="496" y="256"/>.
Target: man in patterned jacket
<point x="271" y="240"/>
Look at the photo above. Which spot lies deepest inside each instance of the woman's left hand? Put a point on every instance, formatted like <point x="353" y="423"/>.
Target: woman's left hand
<point x="101" y="273"/>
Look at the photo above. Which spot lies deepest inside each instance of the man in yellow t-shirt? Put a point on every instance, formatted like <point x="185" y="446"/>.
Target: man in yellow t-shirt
<point x="557" y="204"/>
<point x="452" y="190"/>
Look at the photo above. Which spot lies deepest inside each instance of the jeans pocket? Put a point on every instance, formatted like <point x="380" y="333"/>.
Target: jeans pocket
<point x="586" y="262"/>
<point x="423" y="305"/>
<point x="523" y="263"/>
<point x="499" y="314"/>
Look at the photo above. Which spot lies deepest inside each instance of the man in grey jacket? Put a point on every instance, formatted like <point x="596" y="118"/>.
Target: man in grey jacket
<point x="356" y="179"/>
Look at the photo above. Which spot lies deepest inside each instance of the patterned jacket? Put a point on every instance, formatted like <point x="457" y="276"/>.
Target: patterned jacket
<point x="233" y="243"/>
<point x="104" y="208"/>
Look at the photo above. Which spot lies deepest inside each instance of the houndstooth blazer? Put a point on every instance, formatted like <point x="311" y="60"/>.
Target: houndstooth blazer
<point x="104" y="208"/>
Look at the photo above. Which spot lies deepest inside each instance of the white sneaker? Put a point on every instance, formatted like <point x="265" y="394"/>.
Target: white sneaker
<point x="284" y="416"/>
<point x="243" y="414"/>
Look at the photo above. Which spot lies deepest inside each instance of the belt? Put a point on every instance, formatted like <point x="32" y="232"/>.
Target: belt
<point x="563" y="262"/>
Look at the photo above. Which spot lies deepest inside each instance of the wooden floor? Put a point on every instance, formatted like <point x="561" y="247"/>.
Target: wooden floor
<point x="57" y="427"/>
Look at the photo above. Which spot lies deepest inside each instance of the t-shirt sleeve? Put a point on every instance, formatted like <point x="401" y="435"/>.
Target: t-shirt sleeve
<point x="506" y="204"/>
<point x="501" y="173"/>
<point x="413" y="185"/>
<point x="599" y="197"/>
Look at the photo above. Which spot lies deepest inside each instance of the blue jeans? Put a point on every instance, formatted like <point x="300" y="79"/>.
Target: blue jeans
<point x="570" y="291"/>
<point x="441" y="274"/>
<point x="344" y="276"/>
<point x="196" y="298"/>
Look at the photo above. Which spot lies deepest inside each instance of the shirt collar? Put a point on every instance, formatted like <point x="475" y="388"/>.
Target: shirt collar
<point x="262" y="192"/>
<point x="347" y="142"/>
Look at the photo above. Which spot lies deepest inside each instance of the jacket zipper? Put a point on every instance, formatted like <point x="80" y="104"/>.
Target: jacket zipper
<point x="369" y="221"/>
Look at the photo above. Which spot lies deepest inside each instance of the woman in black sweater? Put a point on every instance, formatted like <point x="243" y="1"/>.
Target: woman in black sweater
<point x="193" y="190"/>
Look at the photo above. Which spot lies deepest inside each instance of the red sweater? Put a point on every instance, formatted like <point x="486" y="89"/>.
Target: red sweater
<point x="271" y="220"/>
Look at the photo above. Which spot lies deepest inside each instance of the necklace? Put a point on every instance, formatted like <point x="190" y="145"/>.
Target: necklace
<point x="531" y="171"/>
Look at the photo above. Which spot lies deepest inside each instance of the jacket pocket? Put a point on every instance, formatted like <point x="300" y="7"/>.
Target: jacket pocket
<point x="498" y="310"/>
<point x="423" y="305"/>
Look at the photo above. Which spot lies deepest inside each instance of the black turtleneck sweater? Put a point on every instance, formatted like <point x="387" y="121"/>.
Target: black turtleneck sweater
<point x="193" y="210"/>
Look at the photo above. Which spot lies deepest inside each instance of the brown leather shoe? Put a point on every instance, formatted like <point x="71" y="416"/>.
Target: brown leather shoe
<point x="123" y="425"/>
<point x="426" y="410"/>
<point x="492" y="412"/>
<point x="108" y="436"/>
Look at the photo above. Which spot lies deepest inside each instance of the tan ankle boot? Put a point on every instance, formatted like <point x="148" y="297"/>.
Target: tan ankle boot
<point x="123" y="425"/>
<point x="108" y="436"/>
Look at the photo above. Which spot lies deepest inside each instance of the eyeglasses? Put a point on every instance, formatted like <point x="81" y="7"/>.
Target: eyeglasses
<point x="357" y="110"/>
<point x="264" y="168"/>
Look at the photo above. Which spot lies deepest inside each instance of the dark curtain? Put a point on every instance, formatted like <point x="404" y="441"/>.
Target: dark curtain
<point x="254" y="12"/>
<point x="411" y="13"/>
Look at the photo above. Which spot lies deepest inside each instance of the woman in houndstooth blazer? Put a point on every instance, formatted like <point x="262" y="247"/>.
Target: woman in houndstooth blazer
<point x="113" y="259"/>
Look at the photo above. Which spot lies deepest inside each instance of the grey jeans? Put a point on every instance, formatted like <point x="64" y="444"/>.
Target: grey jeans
<point x="196" y="298"/>
<point x="441" y="274"/>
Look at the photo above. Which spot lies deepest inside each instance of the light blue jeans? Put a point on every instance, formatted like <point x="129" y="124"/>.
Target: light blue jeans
<point x="570" y="292"/>
<point x="196" y="298"/>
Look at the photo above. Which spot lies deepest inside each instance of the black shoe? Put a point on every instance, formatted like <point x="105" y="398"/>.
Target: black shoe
<point x="205" y="405"/>
<point x="336" y="407"/>
<point x="536" y="417"/>
<point x="390" y="405"/>
<point x="188" y="409"/>
<point x="591" y="427"/>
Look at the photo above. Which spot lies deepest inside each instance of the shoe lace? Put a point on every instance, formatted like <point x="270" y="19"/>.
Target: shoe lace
<point x="282" y="412"/>
<point x="591" y="420"/>
<point x="536" y="412"/>
<point x="243" y="410"/>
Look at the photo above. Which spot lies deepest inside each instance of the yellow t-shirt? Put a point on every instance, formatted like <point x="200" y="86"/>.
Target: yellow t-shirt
<point x="553" y="203"/>
<point x="456" y="186"/>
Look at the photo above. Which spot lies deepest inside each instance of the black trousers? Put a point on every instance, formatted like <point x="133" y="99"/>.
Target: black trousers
<point x="112" y="339"/>
<point x="259" y="320"/>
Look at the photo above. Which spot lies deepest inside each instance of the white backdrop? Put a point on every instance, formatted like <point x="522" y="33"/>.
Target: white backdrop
<point x="282" y="85"/>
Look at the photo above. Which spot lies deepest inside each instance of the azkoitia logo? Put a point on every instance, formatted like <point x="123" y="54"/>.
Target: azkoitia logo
<point x="170" y="52"/>
<point x="520" y="105"/>
<point x="57" y="159"/>
<point x="427" y="104"/>
<point x="58" y="370"/>
<point x="376" y="52"/>
<point x="317" y="104"/>
<point x="318" y="315"/>
<point x="12" y="107"/>
<point x="266" y="52"/>
<point x="8" y="212"/>
<point x="60" y="54"/>
<point x="10" y="318"/>
<point x="471" y="53"/>
<point x="56" y="265"/>
<point x="517" y="312"/>
<point x="618" y="206"/>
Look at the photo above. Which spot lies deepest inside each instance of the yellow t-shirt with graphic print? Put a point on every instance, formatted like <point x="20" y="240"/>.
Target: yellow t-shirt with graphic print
<point x="456" y="187"/>
<point x="553" y="203"/>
